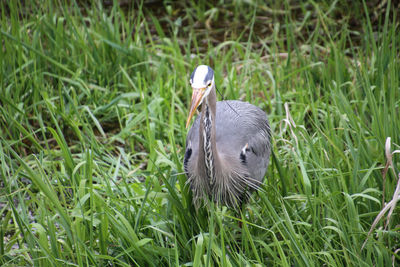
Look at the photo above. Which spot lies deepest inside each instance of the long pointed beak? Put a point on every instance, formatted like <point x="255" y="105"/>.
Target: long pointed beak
<point x="197" y="96"/>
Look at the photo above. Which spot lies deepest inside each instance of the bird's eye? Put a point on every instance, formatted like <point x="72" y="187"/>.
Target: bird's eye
<point x="209" y="84"/>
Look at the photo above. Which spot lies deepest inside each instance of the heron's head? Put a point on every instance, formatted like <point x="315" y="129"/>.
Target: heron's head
<point x="201" y="81"/>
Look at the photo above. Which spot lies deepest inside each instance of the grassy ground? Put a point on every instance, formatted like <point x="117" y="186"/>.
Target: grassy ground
<point x="93" y="106"/>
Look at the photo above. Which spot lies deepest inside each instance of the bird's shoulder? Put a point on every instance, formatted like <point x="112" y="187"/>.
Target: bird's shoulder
<point x="239" y="111"/>
<point x="239" y="123"/>
<point x="240" y="118"/>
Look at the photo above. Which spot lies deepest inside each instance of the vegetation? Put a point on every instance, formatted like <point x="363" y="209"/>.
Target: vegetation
<point x="93" y="104"/>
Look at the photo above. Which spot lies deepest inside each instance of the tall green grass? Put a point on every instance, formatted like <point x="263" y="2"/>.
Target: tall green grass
<point x="93" y="105"/>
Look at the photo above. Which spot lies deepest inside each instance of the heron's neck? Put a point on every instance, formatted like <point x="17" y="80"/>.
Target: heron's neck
<point x="208" y="155"/>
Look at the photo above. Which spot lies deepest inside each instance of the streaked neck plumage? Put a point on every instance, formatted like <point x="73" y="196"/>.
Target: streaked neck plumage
<point x="208" y="160"/>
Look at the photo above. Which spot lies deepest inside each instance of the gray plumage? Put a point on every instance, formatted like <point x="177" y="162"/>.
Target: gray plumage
<point x="228" y="146"/>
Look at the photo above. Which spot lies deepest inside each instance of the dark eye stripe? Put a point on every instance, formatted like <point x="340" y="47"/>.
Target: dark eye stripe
<point x="194" y="71"/>
<point x="210" y="75"/>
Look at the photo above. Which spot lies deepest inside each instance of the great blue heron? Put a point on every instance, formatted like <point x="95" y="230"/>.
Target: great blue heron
<point x="228" y="146"/>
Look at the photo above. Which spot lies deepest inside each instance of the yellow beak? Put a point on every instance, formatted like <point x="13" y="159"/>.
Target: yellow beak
<point x="197" y="96"/>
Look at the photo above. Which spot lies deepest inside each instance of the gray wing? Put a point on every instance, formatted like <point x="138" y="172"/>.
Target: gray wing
<point x="242" y="131"/>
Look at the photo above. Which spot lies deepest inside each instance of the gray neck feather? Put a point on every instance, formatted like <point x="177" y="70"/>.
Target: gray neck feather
<point x="208" y="157"/>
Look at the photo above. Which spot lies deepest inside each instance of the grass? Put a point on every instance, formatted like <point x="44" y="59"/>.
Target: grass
<point x="93" y="107"/>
